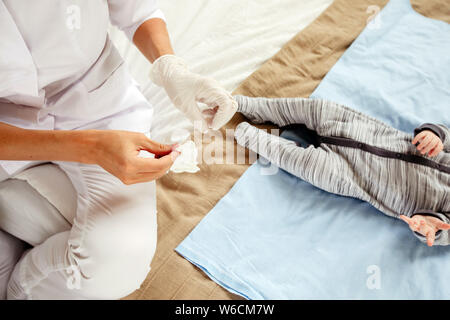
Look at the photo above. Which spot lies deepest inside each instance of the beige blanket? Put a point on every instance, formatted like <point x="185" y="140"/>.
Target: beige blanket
<point x="184" y="199"/>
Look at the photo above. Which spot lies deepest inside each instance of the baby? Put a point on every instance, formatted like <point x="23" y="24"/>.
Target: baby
<point x="358" y="156"/>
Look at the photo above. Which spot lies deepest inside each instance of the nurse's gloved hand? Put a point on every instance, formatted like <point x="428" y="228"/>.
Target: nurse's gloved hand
<point x="186" y="89"/>
<point x="118" y="153"/>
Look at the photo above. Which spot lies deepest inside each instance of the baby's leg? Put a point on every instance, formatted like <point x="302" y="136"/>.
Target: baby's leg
<point x="318" y="166"/>
<point x="314" y="113"/>
<point x="285" y="111"/>
<point x="276" y="149"/>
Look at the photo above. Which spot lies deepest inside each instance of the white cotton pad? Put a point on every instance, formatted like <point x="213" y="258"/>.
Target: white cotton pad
<point x="187" y="160"/>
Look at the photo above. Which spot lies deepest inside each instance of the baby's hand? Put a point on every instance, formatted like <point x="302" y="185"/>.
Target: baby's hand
<point x="429" y="143"/>
<point x="426" y="226"/>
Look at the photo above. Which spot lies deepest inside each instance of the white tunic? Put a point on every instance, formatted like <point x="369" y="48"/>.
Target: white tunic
<point x="59" y="71"/>
<point x="55" y="55"/>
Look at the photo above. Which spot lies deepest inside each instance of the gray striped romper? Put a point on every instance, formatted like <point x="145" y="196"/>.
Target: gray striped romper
<point x="357" y="156"/>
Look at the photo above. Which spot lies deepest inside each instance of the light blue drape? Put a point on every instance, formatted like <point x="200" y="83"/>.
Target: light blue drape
<point x="277" y="237"/>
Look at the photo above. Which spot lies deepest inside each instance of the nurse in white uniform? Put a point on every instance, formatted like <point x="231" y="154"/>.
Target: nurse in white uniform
<point x="67" y="98"/>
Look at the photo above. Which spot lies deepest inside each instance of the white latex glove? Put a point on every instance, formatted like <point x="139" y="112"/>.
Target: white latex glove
<point x="185" y="89"/>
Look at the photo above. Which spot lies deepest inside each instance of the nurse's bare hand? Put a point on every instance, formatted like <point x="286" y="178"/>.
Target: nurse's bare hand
<point x="426" y="226"/>
<point x="428" y="143"/>
<point x="118" y="153"/>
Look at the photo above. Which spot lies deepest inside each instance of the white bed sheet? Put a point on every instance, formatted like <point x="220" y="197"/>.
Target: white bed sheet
<point x="227" y="40"/>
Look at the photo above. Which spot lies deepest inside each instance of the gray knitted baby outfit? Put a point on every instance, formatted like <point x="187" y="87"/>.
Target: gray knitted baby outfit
<point x="357" y="156"/>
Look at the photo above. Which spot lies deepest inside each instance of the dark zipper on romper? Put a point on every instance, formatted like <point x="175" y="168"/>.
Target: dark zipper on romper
<point x="350" y="143"/>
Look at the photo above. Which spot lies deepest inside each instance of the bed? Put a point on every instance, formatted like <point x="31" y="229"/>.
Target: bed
<point x="274" y="236"/>
<point x="238" y="43"/>
<point x="184" y="200"/>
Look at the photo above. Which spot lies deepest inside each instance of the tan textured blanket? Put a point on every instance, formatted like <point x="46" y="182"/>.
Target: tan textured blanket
<point x="184" y="199"/>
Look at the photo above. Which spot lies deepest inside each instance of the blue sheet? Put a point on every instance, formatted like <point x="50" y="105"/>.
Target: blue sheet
<point x="277" y="237"/>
